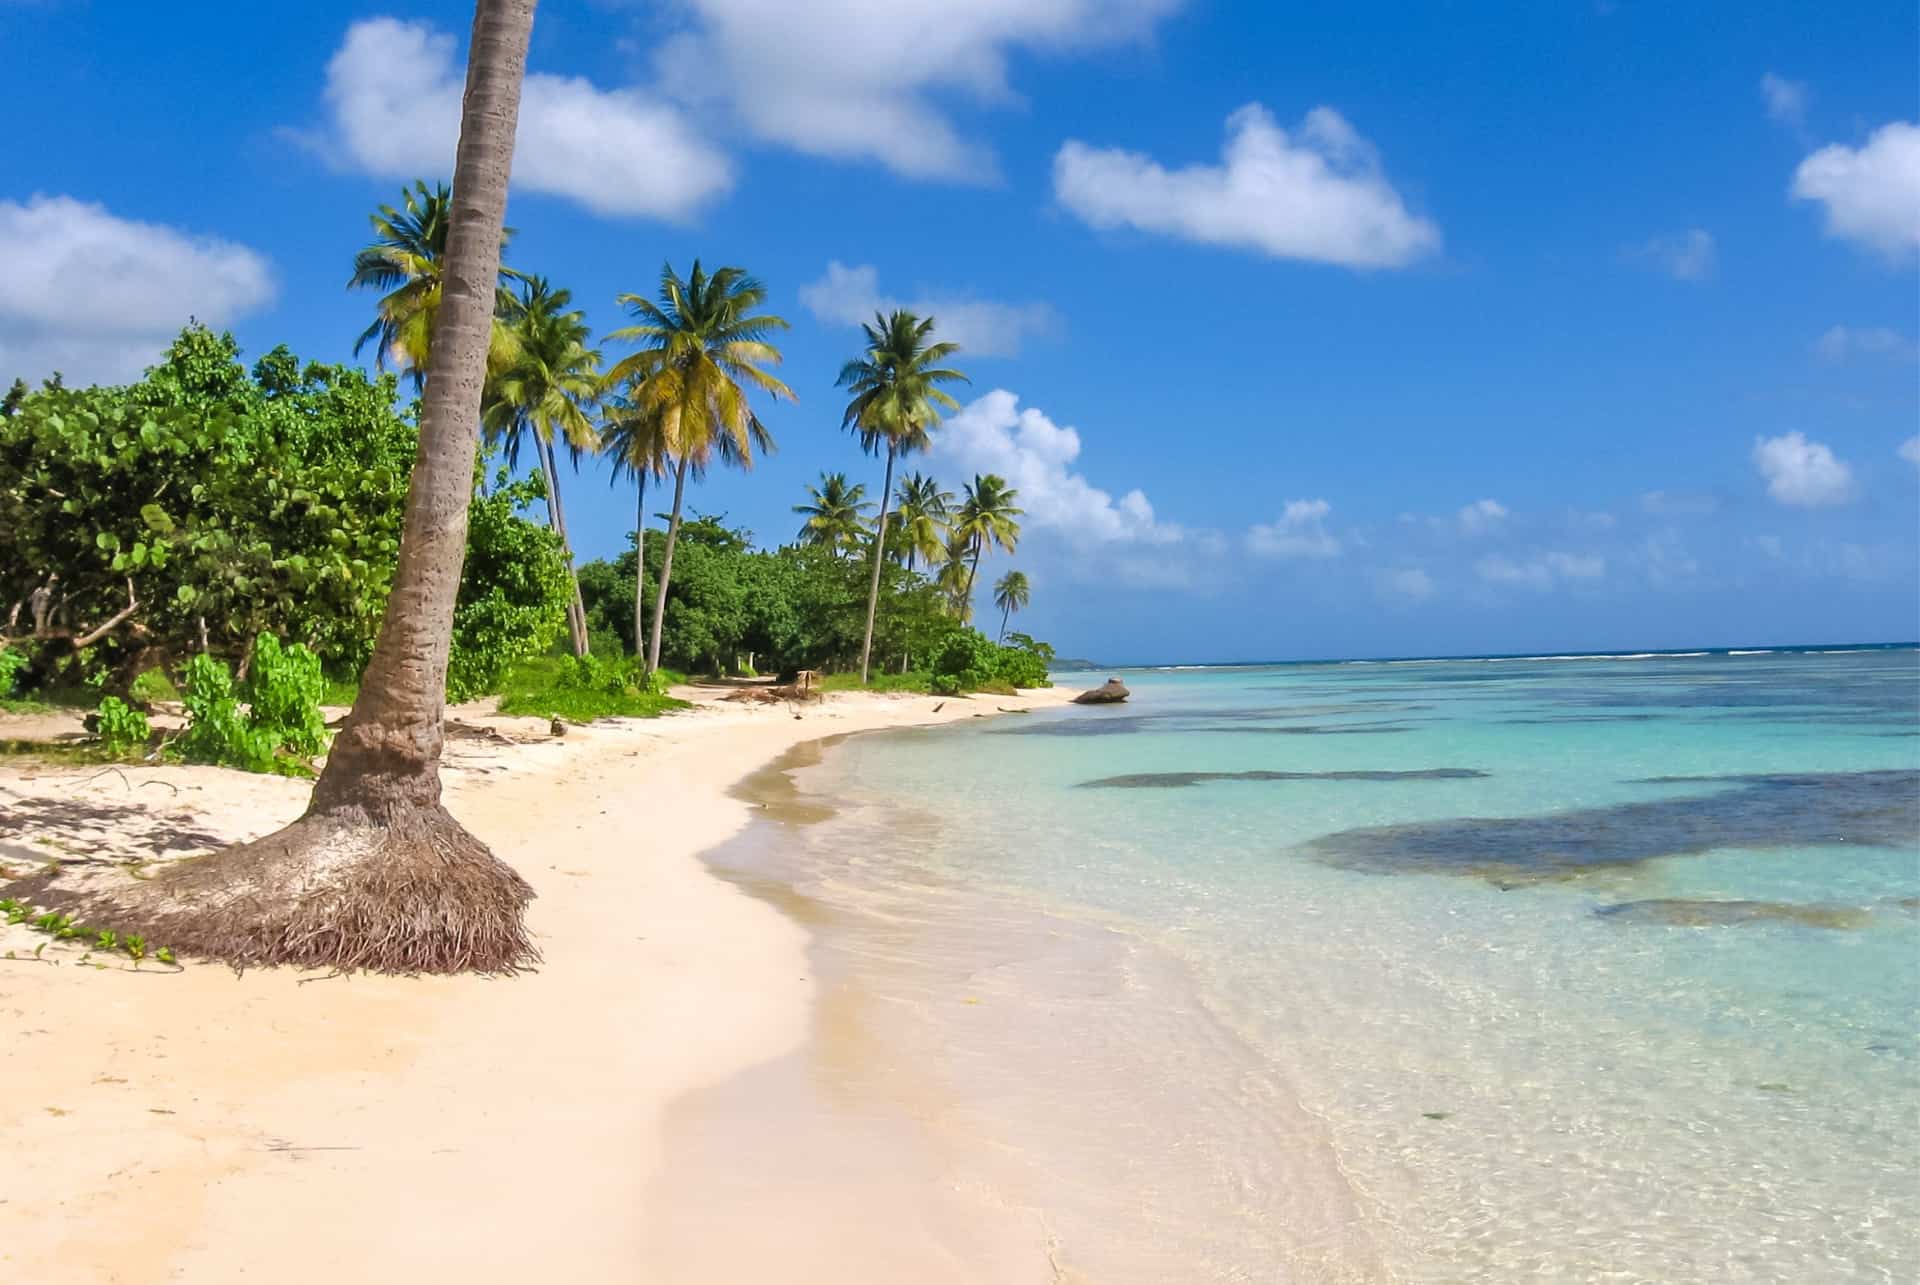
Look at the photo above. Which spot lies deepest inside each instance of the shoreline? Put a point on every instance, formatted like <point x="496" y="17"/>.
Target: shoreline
<point x="186" y="1127"/>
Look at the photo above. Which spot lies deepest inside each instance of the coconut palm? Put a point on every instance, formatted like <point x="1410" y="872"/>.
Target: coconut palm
<point x="986" y="518"/>
<point x="1011" y="593"/>
<point x="923" y="511"/>
<point x="897" y="399"/>
<point x="406" y="261"/>
<point x="638" y="448"/>
<point x="546" y="394"/>
<point x="835" y="514"/>
<point x="700" y="341"/>
<point x="376" y="874"/>
<point x="951" y="577"/>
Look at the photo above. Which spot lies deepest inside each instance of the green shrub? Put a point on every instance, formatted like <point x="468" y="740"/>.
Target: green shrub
<point x="123" y="729"/>
<point x="216" y="733"/>
<point x="151" y="687"/>
<point x="284" y="688"/>
<point x="1023" y="662"/>
<point x="12" y="661"/>
<point x="585" y="688"/>
<point x="283" y="727"/>
<point x="966" y="661"/>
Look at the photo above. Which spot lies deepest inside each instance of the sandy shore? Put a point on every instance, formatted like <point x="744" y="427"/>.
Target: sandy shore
<point x="201" y="1126"/>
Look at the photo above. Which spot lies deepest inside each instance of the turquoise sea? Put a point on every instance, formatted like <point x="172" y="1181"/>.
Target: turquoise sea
<point x="1566" y="968"/>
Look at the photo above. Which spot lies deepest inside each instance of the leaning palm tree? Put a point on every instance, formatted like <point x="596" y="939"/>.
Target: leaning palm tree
<point x="896" y="400"/>
<point x="701" y="340"/>
<point x="376" y="874"/>
<point x="638" y="448"/>
<point x="987" y="517"/>
<point x="547" y="393"/>
<point x="923" y="510"/>
<point x="1011" y="593"/>
<point x="951" y="577"/>
<point x="835" y="514"/>
<point x="406" y="261"/>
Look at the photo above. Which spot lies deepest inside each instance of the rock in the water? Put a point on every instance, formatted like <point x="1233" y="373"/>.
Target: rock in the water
<point x="1111" y="692"/>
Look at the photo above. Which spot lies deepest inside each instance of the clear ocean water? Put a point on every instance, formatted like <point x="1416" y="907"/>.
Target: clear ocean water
<point x="1570" y="969"/>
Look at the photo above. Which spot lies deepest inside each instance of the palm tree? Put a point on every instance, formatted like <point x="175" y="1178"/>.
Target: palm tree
<point x="1011" y="594"/>
<point x="407" y="260"/>
<point x="547" y="393"/>
<point x="987" y="517"/>
<point x="835" y="514"/>
<point x="637" y="447"/>
<point x="923" y="509"/>
<point x="377" y="874"/>
<point x="699" y="342"/>
<point x="952" y="576"/>
<point x="896" y="400"/>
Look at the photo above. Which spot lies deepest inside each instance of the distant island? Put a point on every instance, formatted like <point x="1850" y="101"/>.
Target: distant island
<point x="1071" y="665"/>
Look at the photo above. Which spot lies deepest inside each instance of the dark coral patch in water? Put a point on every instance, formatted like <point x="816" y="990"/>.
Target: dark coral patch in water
<point x="1686" y="913"/>
<point x="1878" y="809"/>
<point x="1176" y="780"/>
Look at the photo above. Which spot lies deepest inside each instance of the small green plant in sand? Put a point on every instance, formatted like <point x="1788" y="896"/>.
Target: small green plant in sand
<point x="123" y="729"/>
<point x="103" y="941"/>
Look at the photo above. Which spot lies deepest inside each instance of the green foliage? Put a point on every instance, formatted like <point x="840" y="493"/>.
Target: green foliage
<point x="282" y="728"/>
<point x="912" y="681"/>
<point x="513" y="592"/>
<point x="61" y="927"/>
<point x="150" y="687"/>
<point x="966" y="662"/>
<point x="123" y="729"/>
<point x="581" y="689"/>
<point x="12" y="661"/>
<point x="1024" y="662"/>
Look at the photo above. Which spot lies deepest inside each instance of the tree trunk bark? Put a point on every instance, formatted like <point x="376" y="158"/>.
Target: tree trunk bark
<point x="666" y="567"/>
<point x="879" y="551"/>
<point x="377" y="874"/>
<point x="966" y="603"/>
<point x="557" y="519"/>
<point x="640" y="566"/>
<point x="1006" y="614"/>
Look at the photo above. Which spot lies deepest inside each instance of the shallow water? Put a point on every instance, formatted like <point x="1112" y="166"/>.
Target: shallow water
<point x="1592" y="969"/>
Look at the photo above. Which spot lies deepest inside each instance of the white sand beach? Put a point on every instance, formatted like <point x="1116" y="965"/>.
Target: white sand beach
<point x="209" y="1127"/>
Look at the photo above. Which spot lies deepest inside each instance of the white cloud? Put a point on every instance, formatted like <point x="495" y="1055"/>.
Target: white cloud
<point x="982" y="327"/>
<point x="856" y="80"/>
<point x="1542" y="571"/>
<point x="993" y="434"/>
<point x="393" y="96"/>
<point x="1786" y="99"/>
<point x="98" y="297"/>
<point x="1481" y="515"/>
<point x="1841" y="342"/>
<point x="1909" y="450"/>
<point x="1802" y="473"/>
<point x="1666" y="558"/>
<point x="1404" y="585"/>
<point x="1316" y="194"/>
<point x="1871" y="193"/>
<point x="1685" y="256"/>
<point x="1299" y="532"/>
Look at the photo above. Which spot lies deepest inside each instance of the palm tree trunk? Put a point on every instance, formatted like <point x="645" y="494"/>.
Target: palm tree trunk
<point x="377" y="874"/>
<point x="879" y="551"/>
<point x="557" y="519"/>
<point x="1006" y="613"/>
<point x="666" y="567"/>
<point x="640" y="566"/>
<point x="966" y="602"/>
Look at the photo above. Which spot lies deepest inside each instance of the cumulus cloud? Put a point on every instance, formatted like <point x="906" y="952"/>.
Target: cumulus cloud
<point x="1684" y="256"/>
<point x="982" y="327"/>
<point x="1542" y="571"/>
<point x="854" y="80"/>
<point x="1317" y="193"/>
<point x="1842" y="342"/>
<point x="1404" y="585"/>
<point x="1299" y="532"/>
<point x="1909" y="450"/>
<point x="1802" y="473"/>
<point x="1481" y="515"/>
<point x="994" y="434"/>
<point x="1786" y="99"/>
<point x="98" y="297"/>
<point x="393" y="101"/>
<point x="1872" y="192"/>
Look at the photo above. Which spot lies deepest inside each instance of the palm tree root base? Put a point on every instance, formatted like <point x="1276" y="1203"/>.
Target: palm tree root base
<point x="413" y="892"/>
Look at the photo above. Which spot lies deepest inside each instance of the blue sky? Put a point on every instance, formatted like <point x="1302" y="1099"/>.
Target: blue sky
<point x="1382" y="329"/>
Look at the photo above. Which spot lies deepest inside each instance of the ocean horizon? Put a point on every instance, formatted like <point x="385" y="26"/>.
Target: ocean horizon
<point x="1656" y="653"/>
<point x="1420" y="969"/>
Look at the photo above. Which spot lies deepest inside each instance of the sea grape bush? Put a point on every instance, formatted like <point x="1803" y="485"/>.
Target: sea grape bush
<point x="513" y="593"/>
<point x="284" y="687"/>
<point x="970" y="661"/>
<point x="123" y="730"/>
<point x="282" y="728"/>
